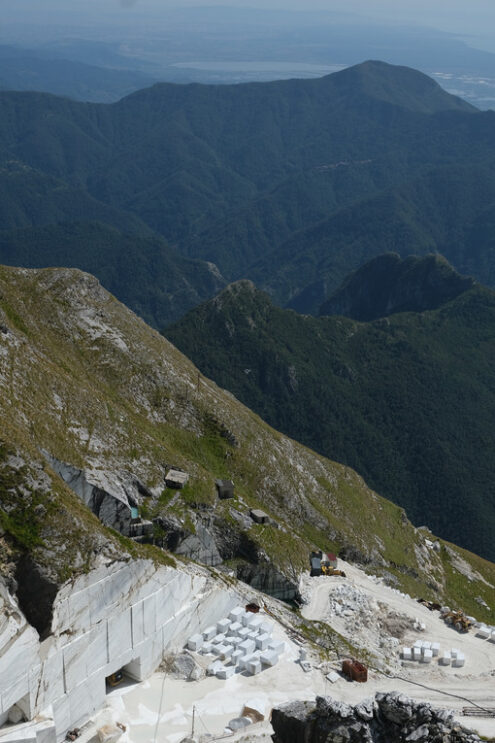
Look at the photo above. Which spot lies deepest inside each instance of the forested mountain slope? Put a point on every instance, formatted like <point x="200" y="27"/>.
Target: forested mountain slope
<point x="88" y="388"/>
<point x="287" y="183"/>
<point x="407" y="400"/>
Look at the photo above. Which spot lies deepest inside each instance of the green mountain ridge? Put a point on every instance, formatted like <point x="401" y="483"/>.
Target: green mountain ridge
<point x="387" y="285"/>
<point x="286" y="183"/>
<point x="407" y="400"/>
<point x="83" y="379"/>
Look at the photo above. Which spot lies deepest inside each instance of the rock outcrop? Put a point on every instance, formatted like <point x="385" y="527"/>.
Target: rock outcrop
<point x="388" y="718"/>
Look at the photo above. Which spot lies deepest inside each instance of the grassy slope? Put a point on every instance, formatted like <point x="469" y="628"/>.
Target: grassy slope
<point x="81" y="376"/>
<point x="407" y="401"/>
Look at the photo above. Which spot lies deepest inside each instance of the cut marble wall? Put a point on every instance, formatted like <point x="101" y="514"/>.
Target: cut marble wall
<point x="119" y="615"/>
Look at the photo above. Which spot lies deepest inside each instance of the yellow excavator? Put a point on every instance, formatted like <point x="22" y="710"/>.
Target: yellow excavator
<point x="329" y="570"/>
<point x="458" y="620"/>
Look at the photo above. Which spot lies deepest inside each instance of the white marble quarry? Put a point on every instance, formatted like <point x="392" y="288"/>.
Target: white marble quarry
<point x="119" y="616"/>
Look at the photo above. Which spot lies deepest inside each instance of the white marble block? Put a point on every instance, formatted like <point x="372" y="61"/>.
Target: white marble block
<point x="416" y="653"/>
<point x="226" y="672"/>
<point x="245" y="618"/>
<point x="262" y="641"/>
<point x="244" y="632"/>
<point x="223" y="626"/>
<point x="277" y="645"/>
<point x="256" y="623"/>
<point x="407" y="653"/>
<point x="214" y="667"/>
<point x="227" y="651"/>
<point x="248" y="646"/>
<point x="195" y="643"/>
<point x="427" y="655"/>
<point x="459" y="660"/>
<point x="209" y="633"/>
<point x="236" y="613"/>
<point x="235" y="628"/>
<point x="435" y="648"/>
<point x="236" y="656"/>
<point x="445" y="658"/>
<point x="253" y="667"/>
<point x="269" y="658"/>
<point x="218" y="649"/>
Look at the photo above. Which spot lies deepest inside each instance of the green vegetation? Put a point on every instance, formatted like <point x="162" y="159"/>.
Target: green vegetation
<point x="292" y="184"/>
<point x="408" y="401"/>
<point x="84" y="383"/>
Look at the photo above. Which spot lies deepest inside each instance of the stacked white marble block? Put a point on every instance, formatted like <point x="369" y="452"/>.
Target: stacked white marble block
<point x="240" y="642"/>
<point x="423" y="651"/>
<point x="485" y="632"/>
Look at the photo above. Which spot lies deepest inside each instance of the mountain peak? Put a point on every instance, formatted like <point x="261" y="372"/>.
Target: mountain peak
<point x="398" y="85"/>
<point x="389" y="284"/>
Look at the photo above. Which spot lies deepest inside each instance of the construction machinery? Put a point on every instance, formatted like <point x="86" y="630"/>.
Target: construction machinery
<point x="329" y="570"/>
<point x="115" y="678"/>
<point x="457" y="619"/>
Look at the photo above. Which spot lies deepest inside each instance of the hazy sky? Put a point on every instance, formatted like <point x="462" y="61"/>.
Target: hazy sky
<point x="459" y="16"/>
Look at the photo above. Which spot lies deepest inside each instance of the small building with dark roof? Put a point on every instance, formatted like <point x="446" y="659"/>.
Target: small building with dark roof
<point x="176" y="479"/>
<point x="225" y="489"/>
<point x="259" y="516"/>
<point x="329" y="559"/>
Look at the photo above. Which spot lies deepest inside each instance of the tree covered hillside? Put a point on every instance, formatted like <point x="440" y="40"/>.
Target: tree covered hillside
<point x="407" y="400"/>
<point x="292" y="184"/>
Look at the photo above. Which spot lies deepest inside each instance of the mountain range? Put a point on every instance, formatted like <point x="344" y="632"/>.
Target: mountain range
<point x="406" y="398"/>
<point x="292" y="184"/>
<point x="96" y="407"/>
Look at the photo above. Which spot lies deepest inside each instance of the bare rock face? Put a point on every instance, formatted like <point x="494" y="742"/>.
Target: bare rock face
<point x="389" y="718"/>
